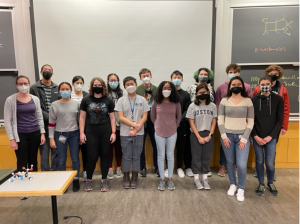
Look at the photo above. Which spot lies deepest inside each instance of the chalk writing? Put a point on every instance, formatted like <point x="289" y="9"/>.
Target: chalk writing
<point x="277" y="26"/>
<point x="268" y="49"/>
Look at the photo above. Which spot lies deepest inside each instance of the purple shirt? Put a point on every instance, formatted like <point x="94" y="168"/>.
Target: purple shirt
<point x="166" y="118"/>
<point x="26" y="120"/>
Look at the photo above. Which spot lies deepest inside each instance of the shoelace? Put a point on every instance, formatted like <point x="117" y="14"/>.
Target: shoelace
<point x="272" y="186"/>
<point x="261" y="187"/>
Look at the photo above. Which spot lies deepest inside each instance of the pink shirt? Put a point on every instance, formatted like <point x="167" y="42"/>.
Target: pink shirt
<point x="166" y="118"/>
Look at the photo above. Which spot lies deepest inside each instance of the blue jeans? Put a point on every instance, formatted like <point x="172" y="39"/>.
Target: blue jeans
<point x="165" y="146"/>
<point x="72" y="139"/>
<point x="236" y="157"/>
<point x="265" y="152"/>
<point x="44" y="154"/>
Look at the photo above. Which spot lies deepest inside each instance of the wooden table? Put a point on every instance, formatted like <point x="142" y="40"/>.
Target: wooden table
<point x="51" y="183"/>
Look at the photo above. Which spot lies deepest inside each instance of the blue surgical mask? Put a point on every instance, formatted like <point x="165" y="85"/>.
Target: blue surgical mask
<point x="230" y="76"/>
<point x="65" y="94"/>
<point x="113" y="85"/>
<point x="177" y="82"/>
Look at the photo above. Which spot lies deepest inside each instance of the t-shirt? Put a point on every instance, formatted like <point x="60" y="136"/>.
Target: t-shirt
<point x="202" y="114"/>
<point x="26" y="119"/>
<point x="48" y="93"/>
<point x="97" y="113"/>
<point x="139" y="106"/>
<point x="76" y="97"/>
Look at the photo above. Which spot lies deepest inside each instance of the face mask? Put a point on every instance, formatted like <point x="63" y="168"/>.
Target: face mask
<point x="146" y="80"/>
<point x="230" y="76"/>
<point x="78" y="87"/>
<point x="203" y="78"/>
<point x="65" y="94"/>
<point x="113" y="85"/>
<point x="131" y="89"/>
<point x="236" y="89"/>
<point x="47" y="75"/>
<point x="273" y="77"/>
<point x="265" y="89"/>
<point x="202" y="96"/>
<point x="177" y="82"/>
<point x="166" y="93"/>
<point x="97" y="89"/>
<point x="23" y="88"/>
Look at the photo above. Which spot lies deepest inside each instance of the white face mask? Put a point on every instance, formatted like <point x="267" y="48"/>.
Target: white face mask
<point x="131" y="89"/>
<point x="23" y="88"/>
<point x="146" y="80"/>
<point x="166" y="93"/>
<point x="78" y="87"/>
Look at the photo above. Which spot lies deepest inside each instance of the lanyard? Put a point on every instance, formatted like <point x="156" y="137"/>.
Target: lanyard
<point x="132" y="107"/>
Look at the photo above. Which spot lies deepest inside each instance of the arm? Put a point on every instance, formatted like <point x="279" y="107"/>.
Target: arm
<point x="249" y="91"/>
<point x="221" y="120"/>
<point x="187" y="103"/>
<point x="126" y="121"/>
<point x="82" y="118"/>
<point x="218" y="97"/>
<point x="142" y="121"/>
<point x="178" y="114"/>
<point x="39" y="117"/>
<point x="256" y="91"/>
<point x="153" y="112"/>
<point x="51" y="126"/>
<point x="195" y="131"/>
<point x="286" y="112"/>
<point x="113" y="127"/>
<point x="8" y="117"/>
<point x="279" y="119"/>
<point x="250" y="122"/>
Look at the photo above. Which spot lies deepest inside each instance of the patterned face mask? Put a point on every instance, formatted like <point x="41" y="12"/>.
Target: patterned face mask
<point x="265" y="89"/>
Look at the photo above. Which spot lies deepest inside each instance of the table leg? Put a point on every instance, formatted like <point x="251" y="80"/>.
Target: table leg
<point x="54" y="209"/>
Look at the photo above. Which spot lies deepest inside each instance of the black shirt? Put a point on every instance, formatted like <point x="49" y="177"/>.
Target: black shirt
<point x="185" y="101"/>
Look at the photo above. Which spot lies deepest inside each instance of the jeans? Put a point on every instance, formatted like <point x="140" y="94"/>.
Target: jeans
<point x="238" y="157"/>
<point x="180" y="144"/>
<point x="187" y="148"/>
<point x="44" y="154"/>
<point x="165" y="146"/>
<point x="118" y="151"/>
<point x="222" y="156"/>
<point x="72" y="139"/>
<point x="265" y="152"/>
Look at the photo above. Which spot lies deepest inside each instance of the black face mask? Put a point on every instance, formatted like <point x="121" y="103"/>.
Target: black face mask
<point x="97" y="89"/>
<point x="202" y="97"/>
<point x="273" y="77"/>
<point x="47" y="75"/>
<point x="236" y="89"/>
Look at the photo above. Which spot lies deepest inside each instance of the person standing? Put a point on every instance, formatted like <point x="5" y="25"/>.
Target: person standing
<point x="47" y="92"/>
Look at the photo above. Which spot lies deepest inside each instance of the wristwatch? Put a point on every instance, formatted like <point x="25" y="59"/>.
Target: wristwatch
<point x="211" y="135"/>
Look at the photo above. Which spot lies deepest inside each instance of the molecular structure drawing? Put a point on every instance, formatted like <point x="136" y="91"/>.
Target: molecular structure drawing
<point x="277" y="26"/>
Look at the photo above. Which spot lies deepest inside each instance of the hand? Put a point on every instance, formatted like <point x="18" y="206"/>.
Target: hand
<point x="201" y="140"/>
<point x="52" y="143"/>
<point x="112" y="138"/>
<point x="242" y="145"/>
<point x="138" y="126"/>
<point x="226" y="142"/>
<point x="282" y="131"/>
<point x="259" y="140"/>
<point x="132" y="132"/>
<point x="267" y="139"/>
<point x="82" y="139"/>
<point x="13" y="144"/>
<point x="207" y="138"/>
<point x="42" y="139"/>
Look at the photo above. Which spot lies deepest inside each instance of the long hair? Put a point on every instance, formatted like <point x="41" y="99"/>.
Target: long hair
<point x="102" y="83"/>
<point x="174" y="97"/>
<point x="118" y="89"/>
<point x="243" y="93"/>
<point x="202" y="86"/>
<point x="209" y="72"/>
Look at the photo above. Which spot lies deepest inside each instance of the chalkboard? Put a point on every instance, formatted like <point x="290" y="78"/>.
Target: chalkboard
<point x="7" y="49"/>
<point x="265" y="35"/>
<point x="252" y="74"/>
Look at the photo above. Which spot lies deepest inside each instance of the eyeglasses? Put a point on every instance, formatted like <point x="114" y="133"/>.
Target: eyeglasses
<point x="200" y="93"/>
<point x="21" y="84"/>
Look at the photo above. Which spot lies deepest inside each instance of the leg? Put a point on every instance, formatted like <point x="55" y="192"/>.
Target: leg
<point x="230" y="158"/>
<point x="44" y="152"/>
<point x="196" y="149"/>
<point x="136" y="152"/>
<point x="74" y="150"/>
<point x="62" y="149"/>
<point x="259" y="161"/>
<point x="34" y="143"/>
<point x="241" y="163"/>
<point x="187" y="150"/>
<point x="161" y="149"/>
<point x="22" y="152"/>
<point x="180" y="144"/>
<point x="92" y="146"/>
<point x="54" y="158"/>
<point x="206" y="153"/>
<point x="111" y="154"/>
<point x="84" y="155"/>
<point x="143" y="157"/>
<point x="104" y="152"/>
<point x="222" y="157"/>
<point x="151" y="131"/>
<point x="126" y="143"/>
<point x="170" y="148"/>
<point x="118" y="150"/>
<point x="270" y="151"/>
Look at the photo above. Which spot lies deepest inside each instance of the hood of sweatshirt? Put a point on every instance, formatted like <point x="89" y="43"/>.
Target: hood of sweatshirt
<point x="265" y="100"/>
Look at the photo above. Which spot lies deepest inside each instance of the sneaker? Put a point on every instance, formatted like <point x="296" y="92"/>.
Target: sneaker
<point x="260" y="190"/>
<point x="255" y="174"/>
<point x="162" y="185"/>
<point x="84" y="177"/>
<point x="166" y="173"/>
<point x="272" y="189"/>
<point x="240" y="195"/>
<point x="206" y="184"/>
<point x="232" y="190"/>
<point x="23" y="197"/>
<point x="104" y="185"/>
<point x="88" y="185"/>
<point x="180" y="173"/>
<point x="143" y="172"/>
<point x="76" y="185"/>
<point x="157" y="172"/>
<point x="171" y="185"/>
<point x="189" y="172"/>
<point x="110" y="174"/>
<point x="119" y="173"/>
<point x="222" y="171"/>
<point x="198" y="184"/>
<point x="209" y="174"/>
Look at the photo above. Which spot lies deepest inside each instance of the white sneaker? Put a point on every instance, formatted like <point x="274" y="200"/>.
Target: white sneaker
<point x="180" y="173"/>
<point x="240" y="195"/>
<point x="166" y="173"/>
<point x="232" y="190"/>
<point x="189" y="172"/>
<point x="209" y="174"/>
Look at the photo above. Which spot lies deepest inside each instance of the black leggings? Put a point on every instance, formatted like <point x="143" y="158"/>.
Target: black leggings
<point x="84" y="155"/>
<point x="97" y="144"/>
<point x="28" y="149"/>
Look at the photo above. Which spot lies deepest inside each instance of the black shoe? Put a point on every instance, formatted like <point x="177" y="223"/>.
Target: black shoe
<point x="260" y="190"/>
<point x="157" y="172"/>
<point x="143" y="172"/>
<point x="76" y="185"/>
<point x="272" y="189"/>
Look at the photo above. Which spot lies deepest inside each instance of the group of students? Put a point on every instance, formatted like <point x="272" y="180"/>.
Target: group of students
<point x="54" y="117"/>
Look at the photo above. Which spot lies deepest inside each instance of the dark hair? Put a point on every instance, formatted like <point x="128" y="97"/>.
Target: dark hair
<point x="210" y="74"/>
<point x="46" y="65"/>
<point x="233" y="66"/>
<point x="265" y="77"/>
<point x="144" y="70"/>
<point x="243" y="93"/>
<point x="176" y="72"/>
<point x="62" y="83"/>
<point x="174" y="97"/>
<point x="104" y="93"/>
<point x="128" y="78"/>
<point x="202" y="86"/>
<point x="22" y="76"/>
<point x="274" y="67"/>
<point x="118" y="89"/>
<point x="76" y="78"/>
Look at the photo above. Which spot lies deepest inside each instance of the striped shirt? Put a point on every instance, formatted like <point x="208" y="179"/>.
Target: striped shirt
<point x="48" y="94"/>
<point x="236" y="119"/>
